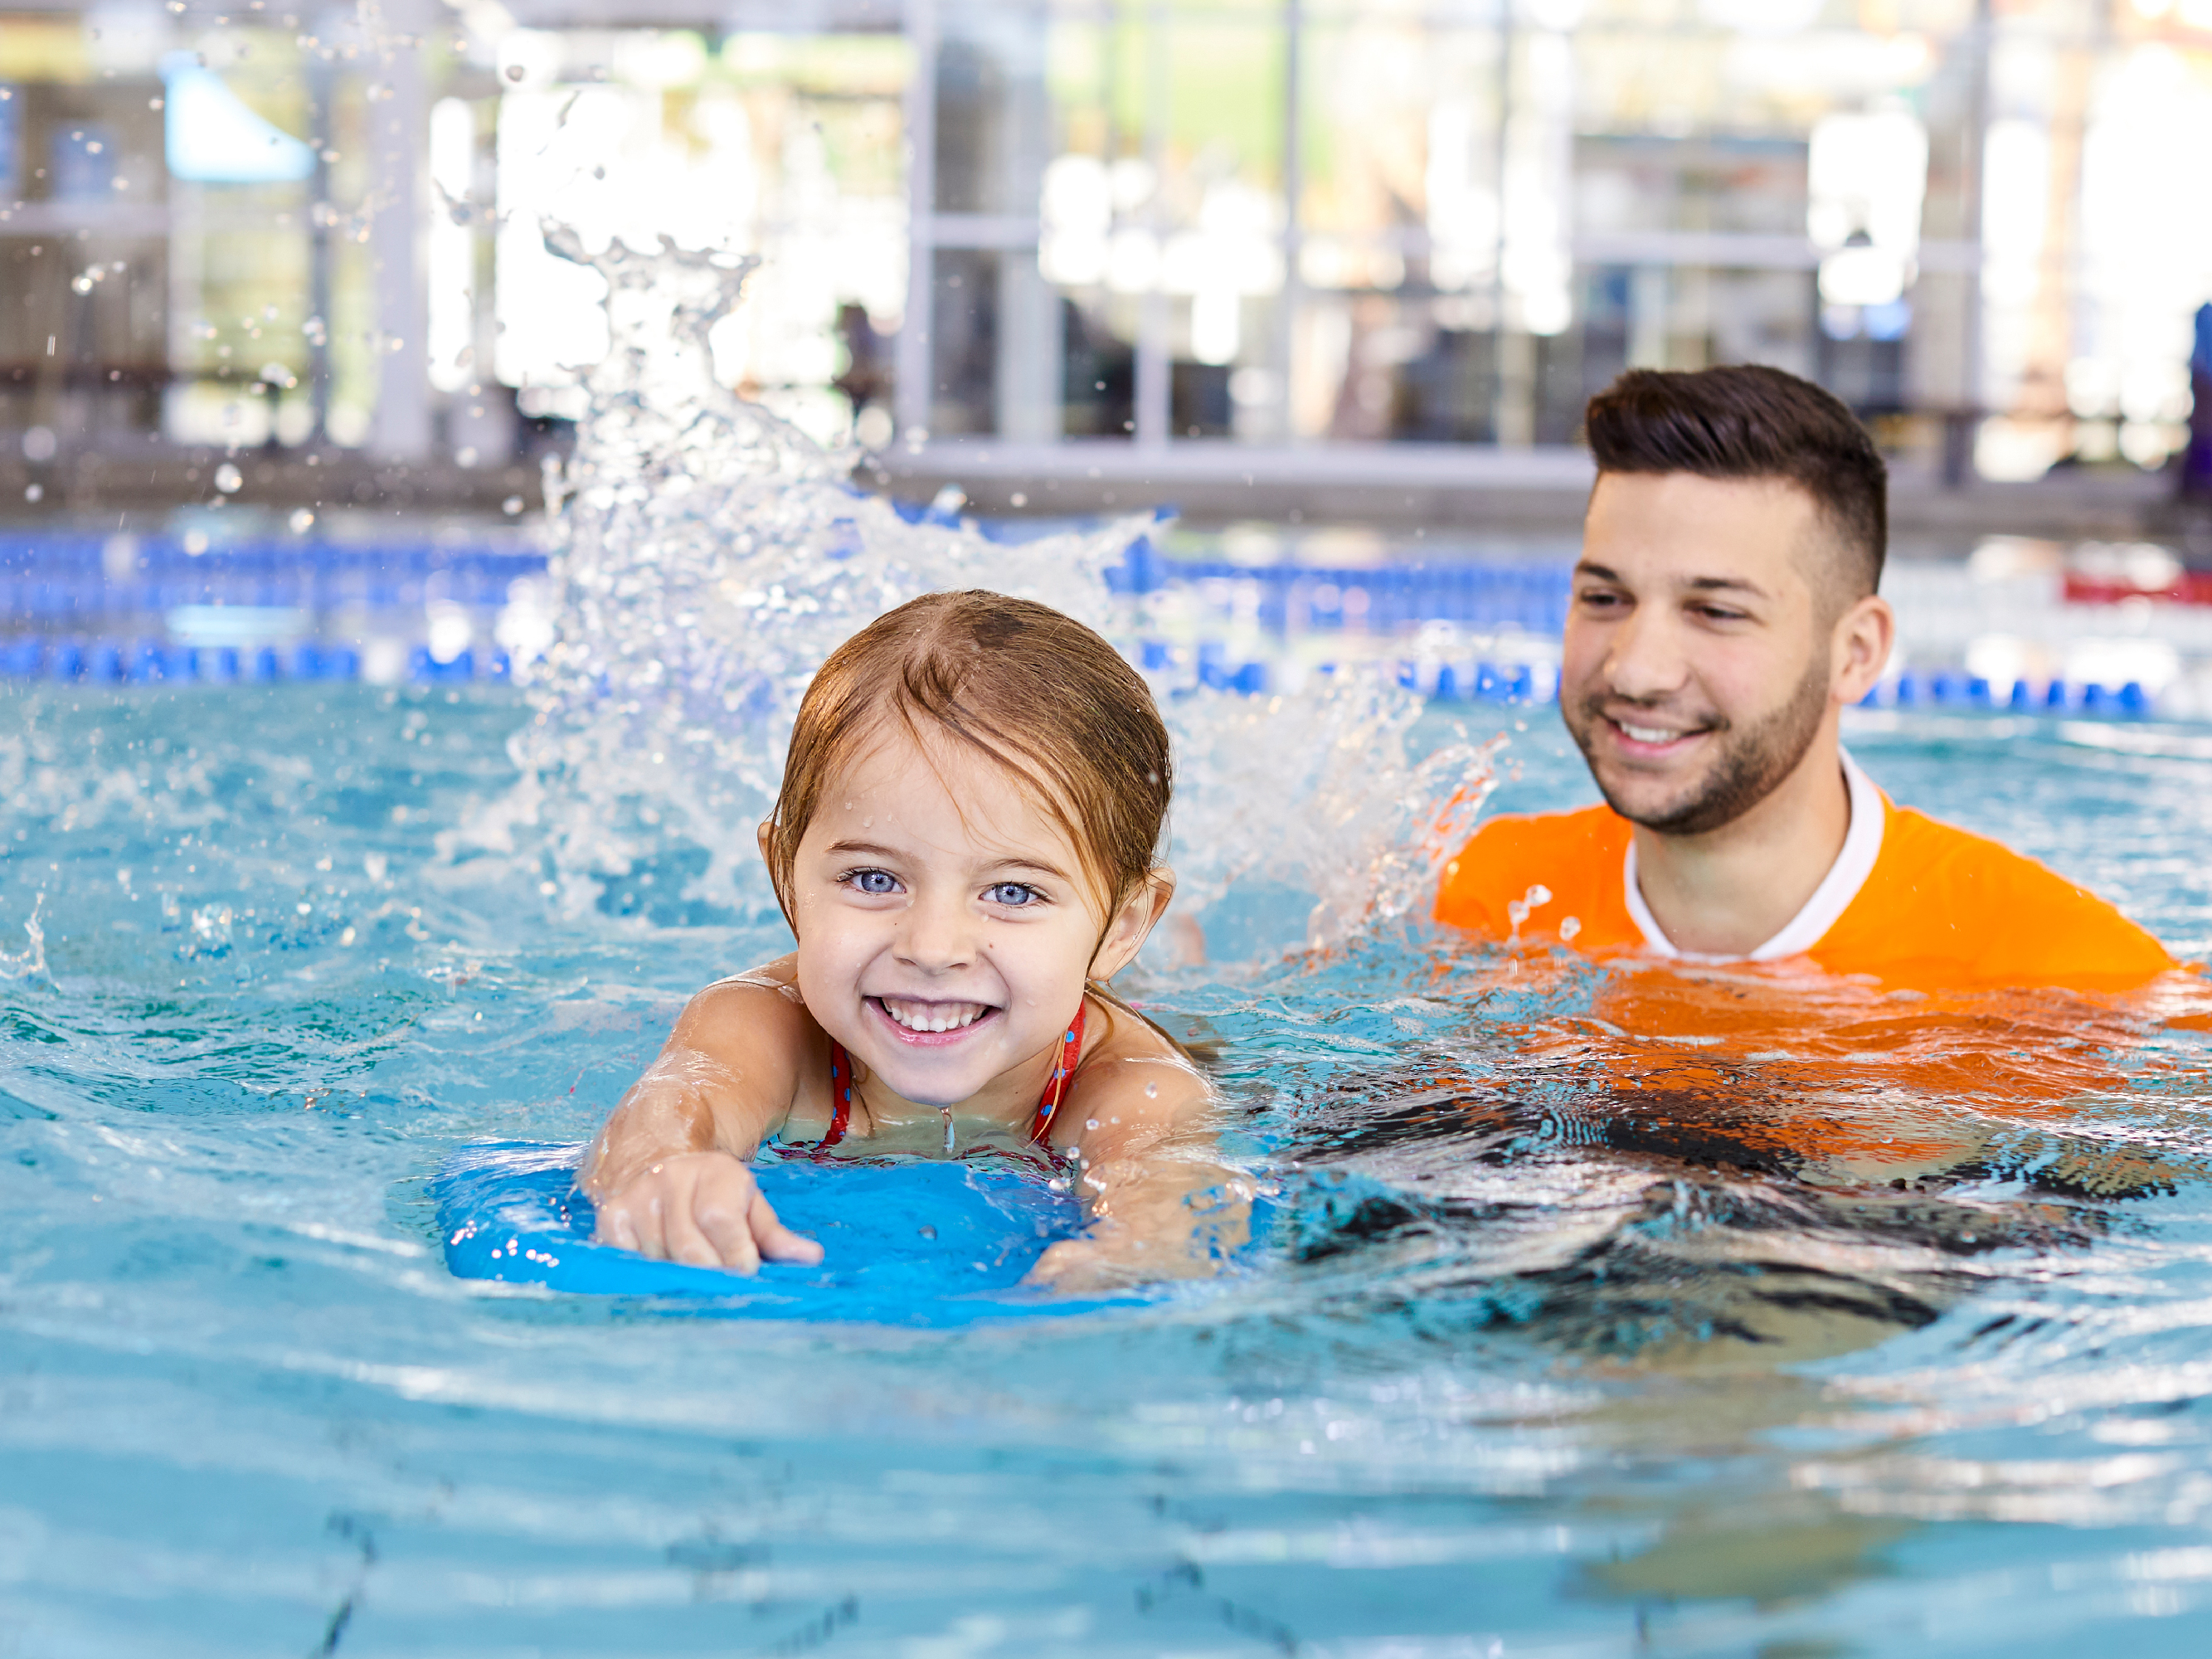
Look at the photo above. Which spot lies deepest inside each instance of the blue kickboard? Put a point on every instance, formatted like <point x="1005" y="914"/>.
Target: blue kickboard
<point x="910" y="1242"/>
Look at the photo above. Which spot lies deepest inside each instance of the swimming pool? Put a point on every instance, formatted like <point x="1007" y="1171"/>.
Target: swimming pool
<point x="249" y="1412"/>
<point x="1552" y="1351"/>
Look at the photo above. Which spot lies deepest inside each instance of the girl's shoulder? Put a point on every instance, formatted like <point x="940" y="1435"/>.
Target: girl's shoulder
<point x="1119" y="1028"/>
<point x="761" y="1003"/>
<point x="755" y="1025"/>
<point x="1119" y="1036"/>
<point x="1133" y="1077"/>
<point x="781" y="976"/>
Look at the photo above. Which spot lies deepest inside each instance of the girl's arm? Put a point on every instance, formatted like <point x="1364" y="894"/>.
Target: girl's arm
<point x="1161" y="1202"/>
<point x="668" y="1172"/>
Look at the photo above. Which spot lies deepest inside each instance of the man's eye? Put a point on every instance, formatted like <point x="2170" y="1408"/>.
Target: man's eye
<point x="1014" y="894"/>
<point x="876" y="882"/>
<point x="1596" y="597"/>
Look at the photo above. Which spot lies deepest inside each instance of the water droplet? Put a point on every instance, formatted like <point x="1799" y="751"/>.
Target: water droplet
<point x="1152" y="1092"/>
<point x="514" y="71"/>
<point x="511" y="505"/>
<point x="228" y="479"/>
<point x="301" y="519"/>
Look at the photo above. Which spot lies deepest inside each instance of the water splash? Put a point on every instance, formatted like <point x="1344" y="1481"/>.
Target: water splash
<point x="29" y="964"/>
<point x="1320" y="791"/>
<point x="708" y="555"/>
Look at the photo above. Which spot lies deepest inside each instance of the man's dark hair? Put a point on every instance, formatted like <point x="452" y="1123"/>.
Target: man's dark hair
<point x="1747" y="421"/>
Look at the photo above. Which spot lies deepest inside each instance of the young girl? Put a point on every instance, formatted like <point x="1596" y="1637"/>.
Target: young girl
<point x="965" y="847"/>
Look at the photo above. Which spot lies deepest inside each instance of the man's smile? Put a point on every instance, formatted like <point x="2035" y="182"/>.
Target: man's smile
<point x="1646" y="736"/>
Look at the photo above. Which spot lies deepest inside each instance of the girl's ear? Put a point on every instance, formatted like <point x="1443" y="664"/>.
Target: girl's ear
<point x="760" y="839"/>
<point x="1140" y="913"/>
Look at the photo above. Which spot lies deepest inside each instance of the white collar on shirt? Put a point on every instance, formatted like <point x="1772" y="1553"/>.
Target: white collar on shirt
<point x="1862" y="847"/>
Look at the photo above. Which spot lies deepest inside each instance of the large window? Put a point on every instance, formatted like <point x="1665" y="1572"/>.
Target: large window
<point x="1053" y="226"/>
<point x="1290" y="220"/>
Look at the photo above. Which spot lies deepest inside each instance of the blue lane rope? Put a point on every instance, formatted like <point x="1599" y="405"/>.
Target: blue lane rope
<point x="74" y="617"/>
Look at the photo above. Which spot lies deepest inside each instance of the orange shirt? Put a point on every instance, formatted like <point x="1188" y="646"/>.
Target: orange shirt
<point x="1939" y="908"/>
<point x="1955" y="990"/>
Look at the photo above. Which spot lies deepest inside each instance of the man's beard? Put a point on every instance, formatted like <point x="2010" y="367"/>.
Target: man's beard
<point x="1750" y="767"/>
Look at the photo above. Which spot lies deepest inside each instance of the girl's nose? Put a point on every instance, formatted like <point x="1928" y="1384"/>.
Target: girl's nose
<point x="935" y="936"/>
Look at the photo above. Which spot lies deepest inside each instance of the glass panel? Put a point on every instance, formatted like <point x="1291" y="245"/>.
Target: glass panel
<point x="1145" y="145"/>
<point x="1400" y="229"/>
<point x="991" y="115"/>
<point x="963" y="342"/>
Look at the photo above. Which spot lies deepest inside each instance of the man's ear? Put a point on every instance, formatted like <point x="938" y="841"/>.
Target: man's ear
<point x="1860" y="647"/>
<point x="1138" y="915"/>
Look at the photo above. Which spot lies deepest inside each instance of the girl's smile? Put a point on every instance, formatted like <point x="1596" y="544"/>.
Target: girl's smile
<point x="930" y="1024"/>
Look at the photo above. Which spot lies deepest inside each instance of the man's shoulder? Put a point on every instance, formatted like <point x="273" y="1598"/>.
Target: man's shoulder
<point x="1977" y="870"/>
<point x="1554" y="868"/>
<point x="1941" y="899"/>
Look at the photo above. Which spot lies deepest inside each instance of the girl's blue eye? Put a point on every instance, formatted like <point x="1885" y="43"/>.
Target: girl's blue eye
<point x="877" y="884"/>
<point x="1010" y="893"/>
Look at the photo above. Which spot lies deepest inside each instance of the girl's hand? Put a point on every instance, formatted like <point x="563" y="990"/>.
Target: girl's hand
<point x="1112" y="1257"/>
<point x="1088" y="1266"/>
<point x="704" y="1209"/>
<point x="1157" y="1211"/>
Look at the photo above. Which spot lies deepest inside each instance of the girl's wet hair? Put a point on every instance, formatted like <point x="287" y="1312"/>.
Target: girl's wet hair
<point x="1037" y="692"/>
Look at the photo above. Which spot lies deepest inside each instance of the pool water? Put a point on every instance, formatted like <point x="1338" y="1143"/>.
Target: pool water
<point x="1525" y="1370"/>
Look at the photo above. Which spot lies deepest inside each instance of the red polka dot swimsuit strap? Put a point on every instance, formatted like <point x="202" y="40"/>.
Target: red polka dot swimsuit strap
<point x="1071" y="1050"/>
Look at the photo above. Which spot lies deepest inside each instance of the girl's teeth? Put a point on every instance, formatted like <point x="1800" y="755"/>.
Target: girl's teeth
<point x="953" y="1018"/>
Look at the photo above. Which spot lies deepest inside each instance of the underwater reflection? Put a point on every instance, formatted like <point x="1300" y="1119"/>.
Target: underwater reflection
<point x="1692" y="1170"/>
<point x="1696" y="1185"/>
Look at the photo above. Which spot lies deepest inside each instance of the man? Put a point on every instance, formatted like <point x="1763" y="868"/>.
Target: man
<point x="1725" y="613"/>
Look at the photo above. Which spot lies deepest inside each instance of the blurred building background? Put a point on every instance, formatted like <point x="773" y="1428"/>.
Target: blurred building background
<point x="1265" y="258"/>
